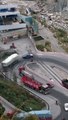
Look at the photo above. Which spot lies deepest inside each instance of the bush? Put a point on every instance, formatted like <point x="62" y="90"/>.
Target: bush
<point x="2" y="109"/>
<point x="40" y="47"/>
<point x="61" y="33"/>
<point x="47" y="43"/>
<point x="48" y="46"/>
<point x="64" y="40"/>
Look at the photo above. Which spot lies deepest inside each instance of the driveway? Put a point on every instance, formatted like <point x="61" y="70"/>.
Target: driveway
<point x="22" y="45"/>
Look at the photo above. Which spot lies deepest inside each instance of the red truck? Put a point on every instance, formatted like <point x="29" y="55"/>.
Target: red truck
<point x="28" y="80"/>
<point x="20" y="69"/>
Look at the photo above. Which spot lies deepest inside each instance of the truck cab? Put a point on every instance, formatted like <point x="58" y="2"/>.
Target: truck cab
<point x="20" y="69"/>
<point x="45" y="89"/>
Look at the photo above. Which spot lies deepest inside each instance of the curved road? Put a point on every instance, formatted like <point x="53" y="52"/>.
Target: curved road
<point x="62" y="99"/>
<point x="58" y="59"/>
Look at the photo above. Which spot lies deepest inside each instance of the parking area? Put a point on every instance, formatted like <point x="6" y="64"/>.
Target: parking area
<point x="22" y="45"/>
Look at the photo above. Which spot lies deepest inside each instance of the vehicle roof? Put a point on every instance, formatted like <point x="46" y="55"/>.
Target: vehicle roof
<point x="40" y="112"/>
<point x="45" y="86"/>
<point x="10" y="58"/>
<point x="27" y="73"/>
<point x="66" y="104"/>
<point x="26" y="53"/>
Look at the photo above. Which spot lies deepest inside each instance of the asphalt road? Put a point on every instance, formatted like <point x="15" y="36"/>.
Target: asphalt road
<point x="61" y="61"/>
<point x="53" y="59"/>
<point x="57" y="94"/>
<point x="62" y="99"/>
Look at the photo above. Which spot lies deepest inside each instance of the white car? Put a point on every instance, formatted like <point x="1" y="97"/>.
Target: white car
<point x="66" y="106"/>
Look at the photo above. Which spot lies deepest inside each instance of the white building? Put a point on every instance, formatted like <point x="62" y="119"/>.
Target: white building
<point x="10" y="23"/>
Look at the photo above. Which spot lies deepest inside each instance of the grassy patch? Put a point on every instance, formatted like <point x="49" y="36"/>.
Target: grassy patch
<point x="48" y="46"/>
<point x="60" y="33"/>
<point x="19" y="96"/>
<point x="62" y="37"/>
<point x="40" y="47"/>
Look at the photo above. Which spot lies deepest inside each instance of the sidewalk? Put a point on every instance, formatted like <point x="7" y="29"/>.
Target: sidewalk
<point x="7" y="105"/>
<point x="55" y="109"/>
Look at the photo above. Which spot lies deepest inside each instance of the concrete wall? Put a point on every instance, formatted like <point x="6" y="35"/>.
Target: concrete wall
<point x="14" y="33"/>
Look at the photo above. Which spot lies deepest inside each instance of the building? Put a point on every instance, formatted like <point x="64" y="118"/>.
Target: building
<point x="11" y="25"/>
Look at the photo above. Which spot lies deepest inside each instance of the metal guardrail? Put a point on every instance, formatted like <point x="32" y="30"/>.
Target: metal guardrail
<point x="4" y="76"/>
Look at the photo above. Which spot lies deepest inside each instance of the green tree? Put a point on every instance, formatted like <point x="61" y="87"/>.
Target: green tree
<point x="2" y="109"/>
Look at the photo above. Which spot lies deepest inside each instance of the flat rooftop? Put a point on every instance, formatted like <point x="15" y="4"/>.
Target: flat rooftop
<point x="8" y="6"/>
<point x="12" y="27"/>
<point x="11" y="22"/>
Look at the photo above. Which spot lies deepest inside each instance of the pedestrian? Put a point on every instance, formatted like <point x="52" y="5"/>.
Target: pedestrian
<point x="56" y="102"/>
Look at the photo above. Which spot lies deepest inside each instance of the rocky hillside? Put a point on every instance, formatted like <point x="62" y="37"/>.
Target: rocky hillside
<point x="53" y="5"/>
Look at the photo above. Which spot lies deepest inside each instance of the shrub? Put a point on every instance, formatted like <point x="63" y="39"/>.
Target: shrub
<point x="40" y="47"/>
<point x="61" y="33"/>
<point x="48" y="46"/>
<point x="47" y="43"/>
<point x="2" y="109"/>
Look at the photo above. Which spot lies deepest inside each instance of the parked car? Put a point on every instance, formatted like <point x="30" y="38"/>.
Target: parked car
<point x="27" y="56"/>
<point x="66" y="106"/>
<point x="65" y="83"/>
